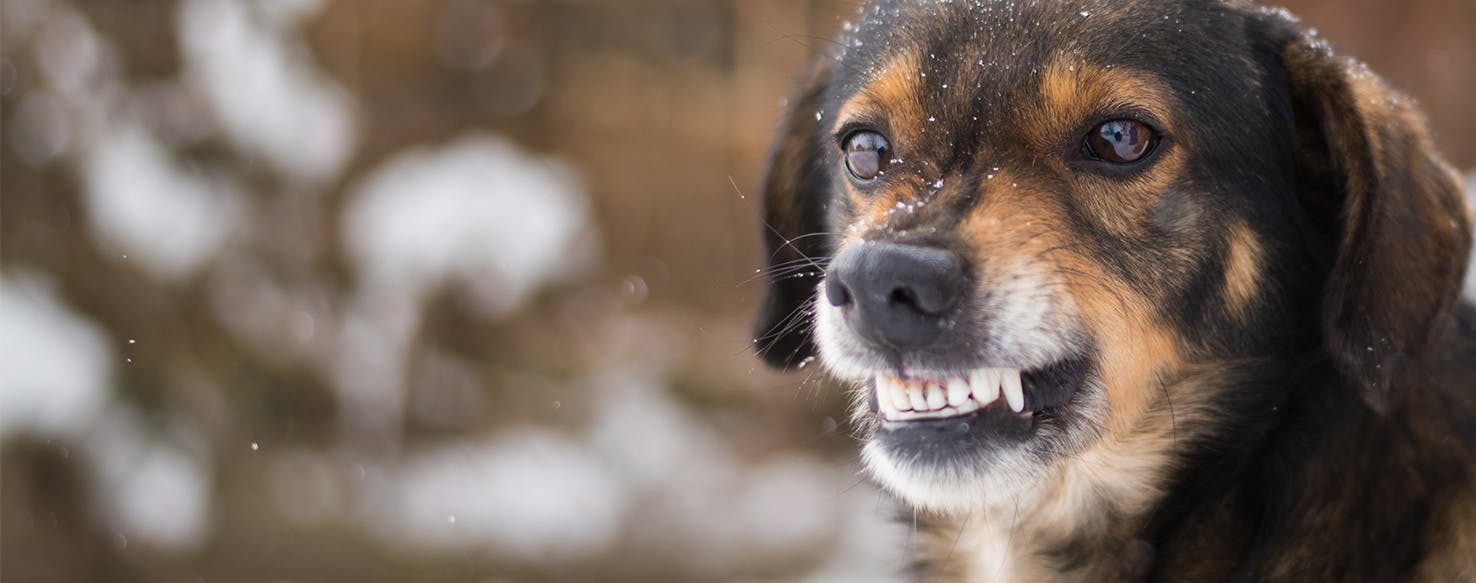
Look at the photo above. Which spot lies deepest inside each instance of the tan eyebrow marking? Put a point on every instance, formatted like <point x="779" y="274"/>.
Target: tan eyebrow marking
<point x="893" y="93"/>
<point x="1071" y="89"/>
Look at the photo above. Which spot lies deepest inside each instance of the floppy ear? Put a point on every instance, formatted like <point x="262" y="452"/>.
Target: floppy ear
<point x="1402" y="227"/>
<point x="796" y="193"/>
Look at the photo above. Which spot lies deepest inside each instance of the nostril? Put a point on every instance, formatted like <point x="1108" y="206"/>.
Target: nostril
<point x="930" y="300"/>
<point x="904" y="296"/>
<point x="836" y="292"/>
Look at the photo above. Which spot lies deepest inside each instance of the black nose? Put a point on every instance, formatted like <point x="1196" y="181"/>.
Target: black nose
<point x="896" y="296"/>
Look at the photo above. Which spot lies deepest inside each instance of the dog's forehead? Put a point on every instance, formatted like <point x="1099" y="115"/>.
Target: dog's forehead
<point x="997" y="48"/>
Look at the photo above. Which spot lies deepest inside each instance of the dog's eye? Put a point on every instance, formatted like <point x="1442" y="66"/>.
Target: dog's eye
<point x="867" y="154"/>
<point x="1121" y="141"/>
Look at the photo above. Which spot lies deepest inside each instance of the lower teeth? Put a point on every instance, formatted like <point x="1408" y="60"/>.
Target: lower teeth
<point x="945" y="413"/>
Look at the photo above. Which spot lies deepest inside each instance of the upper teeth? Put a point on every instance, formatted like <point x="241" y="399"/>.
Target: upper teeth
<point x="903" y="400"/>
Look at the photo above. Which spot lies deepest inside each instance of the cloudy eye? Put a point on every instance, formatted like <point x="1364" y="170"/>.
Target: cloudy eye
<point x="1120" y="141"/>
<point x="867" y="154"/>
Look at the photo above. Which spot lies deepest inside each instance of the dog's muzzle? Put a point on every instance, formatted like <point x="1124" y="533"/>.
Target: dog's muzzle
<point x="896" y="297"/>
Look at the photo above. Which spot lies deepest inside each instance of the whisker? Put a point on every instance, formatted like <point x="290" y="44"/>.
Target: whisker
<point x="788" y="242"/>
<point x="797" y="317"/>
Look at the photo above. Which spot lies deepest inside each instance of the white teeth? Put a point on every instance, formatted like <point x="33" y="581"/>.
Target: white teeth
<point x="919" y="400"/>
<point x="958" y="392"/>
<point x="896" y="394"/>
<point x="901" y="400"/>
<point x="936" y="398"/>
<point x="985" y="383"/>
<point x="1013" y="392"/>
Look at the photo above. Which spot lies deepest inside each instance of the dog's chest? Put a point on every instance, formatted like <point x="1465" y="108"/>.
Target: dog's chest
<point x="1006" y="553"/>
<point x="1082" y="529"/>
<point x="984" y="553"/>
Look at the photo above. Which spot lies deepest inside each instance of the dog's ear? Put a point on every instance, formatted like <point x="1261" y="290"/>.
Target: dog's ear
<point x="796" y="192"/>
<point x="1366" y="163"/>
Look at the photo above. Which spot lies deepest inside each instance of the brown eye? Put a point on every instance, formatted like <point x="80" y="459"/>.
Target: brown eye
<point x="1121" y="141"/>
<point x="867" y="154"/>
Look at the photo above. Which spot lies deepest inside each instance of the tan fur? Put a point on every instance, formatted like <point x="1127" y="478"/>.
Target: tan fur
<point x="890" y="94"/>
<point x="1070" y="86"/>
<point x="1243" y="264"/>
<point x="1014" y="231"/>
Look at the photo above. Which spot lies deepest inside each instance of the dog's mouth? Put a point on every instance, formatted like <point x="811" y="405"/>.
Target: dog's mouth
<point x="996" y="400"/>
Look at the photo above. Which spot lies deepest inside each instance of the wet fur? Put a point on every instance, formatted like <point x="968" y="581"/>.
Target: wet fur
<point x="1298" y="402"/>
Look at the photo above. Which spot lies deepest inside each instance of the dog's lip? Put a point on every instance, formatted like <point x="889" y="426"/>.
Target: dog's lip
<point x="1044" y="389"/>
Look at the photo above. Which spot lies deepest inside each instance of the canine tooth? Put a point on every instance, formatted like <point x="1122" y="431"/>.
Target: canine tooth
<point x="985" y="383"/>
<point x="1013" y="392"/>
<point x="897" y="394"/>
<point x="958" y="392"/>
<point x="915" y="393"/>
<point x="883" y="395"/>
<point x="936" y="398"/>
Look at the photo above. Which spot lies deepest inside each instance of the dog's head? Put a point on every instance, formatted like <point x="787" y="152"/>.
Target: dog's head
<point x="1035" y="220"/>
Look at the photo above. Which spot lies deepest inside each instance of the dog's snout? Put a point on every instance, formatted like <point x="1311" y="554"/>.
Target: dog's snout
<point x="894" y="295"/>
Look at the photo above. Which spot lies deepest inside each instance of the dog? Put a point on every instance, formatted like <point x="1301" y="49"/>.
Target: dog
<point x="1140" y="290"/>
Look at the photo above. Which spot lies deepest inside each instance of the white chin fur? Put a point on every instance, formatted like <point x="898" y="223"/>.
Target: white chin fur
<point x="951" y="492"/>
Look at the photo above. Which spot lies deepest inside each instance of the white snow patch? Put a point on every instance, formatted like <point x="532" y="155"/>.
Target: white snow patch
<point x="77" y="63"/>
<point x="172" y="219"/>
<point x="530" y="494"/>
<point x="149" y="489"/>
<point x="787" y="506"/>
<point x="138" y="196"/>
<point x="478" y="212"/>
<point x="245" y="58"/>
<point x="781" y="510"/>
<point x="56" y="364"/>
<point x="651" y="440"/>
<point x="368" y="365"/>
<point x="871" y="546"/>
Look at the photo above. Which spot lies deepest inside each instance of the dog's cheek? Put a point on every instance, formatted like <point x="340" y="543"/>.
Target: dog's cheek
<point x="1136" y="351"/>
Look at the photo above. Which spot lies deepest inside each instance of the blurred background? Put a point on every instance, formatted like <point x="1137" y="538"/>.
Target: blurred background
<point x="438" y="290"/>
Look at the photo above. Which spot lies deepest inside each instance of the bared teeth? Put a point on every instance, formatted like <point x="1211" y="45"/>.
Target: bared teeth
<point x="1013" y="391"/>
<point x="907" y="400"/>
<point x="896" y="393"/>
<point x="917" y="394"/>
<point x="958" y="392"/>
<point x="936" y="399"/>
<point x="986" y="385"/>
